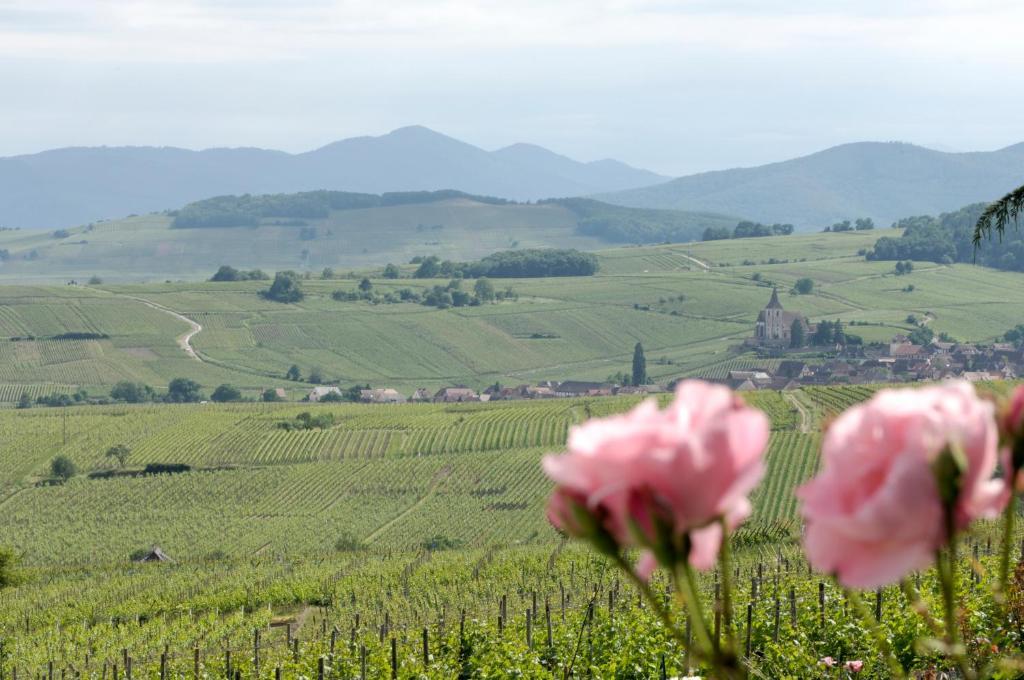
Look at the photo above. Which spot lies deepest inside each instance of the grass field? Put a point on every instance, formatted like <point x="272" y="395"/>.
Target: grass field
<point x="147" y="248"/>
<point x="690" y="305"/>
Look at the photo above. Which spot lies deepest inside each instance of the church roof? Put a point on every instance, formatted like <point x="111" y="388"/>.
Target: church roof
<point x="774" y="302"/>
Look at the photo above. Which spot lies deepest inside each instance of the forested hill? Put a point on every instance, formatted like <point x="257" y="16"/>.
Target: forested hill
<point x="949" y="238"/>
<point x="69" y="187"/>
<point x="310" y="231"/>
<point x="884" y="181"/>
<point x="611" y="223"/>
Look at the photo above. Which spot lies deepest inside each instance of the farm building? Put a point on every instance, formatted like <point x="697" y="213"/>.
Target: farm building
<point x="318" y="393"/>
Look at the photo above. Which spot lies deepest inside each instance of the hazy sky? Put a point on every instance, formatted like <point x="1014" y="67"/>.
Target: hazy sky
<point x="674" y="86"/>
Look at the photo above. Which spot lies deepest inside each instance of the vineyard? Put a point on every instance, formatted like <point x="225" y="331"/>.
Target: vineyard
<point x="337" y="551"/>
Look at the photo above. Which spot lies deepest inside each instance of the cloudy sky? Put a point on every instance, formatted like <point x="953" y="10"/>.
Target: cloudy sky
<point x="676" y="86"/>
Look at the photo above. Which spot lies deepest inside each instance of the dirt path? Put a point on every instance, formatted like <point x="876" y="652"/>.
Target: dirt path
<point x="700" y="263"/>
<point x="439" y="477"/>
<point x="805" y="416"/>
<point x="185" y="339"/>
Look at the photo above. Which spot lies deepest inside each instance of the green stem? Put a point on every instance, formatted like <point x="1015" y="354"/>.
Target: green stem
<point x="725" y="664"/>
<point x="876" y="630"/>
<point x="652" y="599"/>
<point x="692" y="599"/>
<point x="947" y="564"/>
<point x="725" y="564"/>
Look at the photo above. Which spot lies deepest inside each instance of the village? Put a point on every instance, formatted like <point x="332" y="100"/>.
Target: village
<point x="786" y="366"/>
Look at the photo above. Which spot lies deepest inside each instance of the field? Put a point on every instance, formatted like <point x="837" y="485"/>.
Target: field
<point x="147" y="248"/>
<point x="302" y="549"/>
<point x="690" y="305"/>
<point x="334" y="548"/>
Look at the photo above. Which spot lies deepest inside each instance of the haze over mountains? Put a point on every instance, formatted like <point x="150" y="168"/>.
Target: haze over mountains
<point x="67" y="187"/>
<point x="884" y="181"/>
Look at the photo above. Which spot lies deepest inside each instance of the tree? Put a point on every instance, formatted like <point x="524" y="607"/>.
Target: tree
<point x="25" y="401"/>
<point x="62" y="468"/>
<point x="639" y="365"/>
<point x="429" y="268"/>
<point x="316" y="375"/>
<point x="796" y="334"/>
<point x="865" y="224"/>
<point x="484" y="289"/>
<point x="294" y="373"/>
<point x="121" y="452"/>
<point x="183" y="390"/>
<point x="716" y="234"/>
<point x="327" y="273"/>
<point x="270" y="395"/>
<point x="804" y="286"/>
<point x="391" y="272"/>
<point x="285" y="288"/>
<point x="226" y="393"/>
<point x="999" y="214"/>
<point x="365" y="285"/>
<point x="133" y="393"/>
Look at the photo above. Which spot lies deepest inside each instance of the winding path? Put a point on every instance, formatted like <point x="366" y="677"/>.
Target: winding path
<point x="185" y="339"/>
<point x="805" y="416"/>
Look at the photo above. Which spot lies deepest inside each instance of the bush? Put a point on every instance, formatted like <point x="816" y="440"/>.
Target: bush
<point x="804" y="286"/>
<point x="133" y="393"/>
<point x="285" y="288"/>
<point x="225" y="393"/>
<point x="63" y="468"/>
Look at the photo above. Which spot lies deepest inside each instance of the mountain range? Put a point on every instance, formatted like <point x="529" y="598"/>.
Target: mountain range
<point x="884" y="181"/>
<point x="72" y="186"/>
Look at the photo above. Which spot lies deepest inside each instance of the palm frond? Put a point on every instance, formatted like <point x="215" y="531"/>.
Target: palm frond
<point x="998" y="215"/>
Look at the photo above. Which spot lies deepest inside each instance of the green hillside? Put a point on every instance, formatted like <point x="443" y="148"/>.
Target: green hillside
<point x="690" y="305"/>
<point x="314" y="230"/>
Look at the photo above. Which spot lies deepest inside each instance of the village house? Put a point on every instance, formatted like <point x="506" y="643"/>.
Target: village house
<point x="421" y="395"/>
<point x="457" y="394"/>
<point x="384" y="395"/>
<point x="321" y="391"/>
<point x="579" y="388"/>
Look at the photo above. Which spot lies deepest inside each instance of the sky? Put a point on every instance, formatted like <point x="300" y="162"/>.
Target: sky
<point x="673" y="86"/>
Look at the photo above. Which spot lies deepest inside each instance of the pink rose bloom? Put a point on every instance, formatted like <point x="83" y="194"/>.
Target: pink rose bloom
<point x="678" y="471"/>
<point x="874" y="512"/>
<point x="827" y="661"/>
<point x="1011" y="430"/>
<point x="854" y="666"/>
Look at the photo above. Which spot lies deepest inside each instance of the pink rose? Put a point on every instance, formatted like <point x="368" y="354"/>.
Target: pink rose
<point x="827" y="661"/>
<point x="662" y="479"/>
<point x="875" y="512"/>
<point x="1011" y="430"/>
<point x="854" y="666"/>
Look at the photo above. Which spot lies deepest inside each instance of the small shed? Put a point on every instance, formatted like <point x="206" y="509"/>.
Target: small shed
<point x="155" y="555"/>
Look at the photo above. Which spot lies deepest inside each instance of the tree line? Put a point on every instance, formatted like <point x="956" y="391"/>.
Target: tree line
<point x="949" y="238"/>
<point x="248" y="210"/>
<point x="511" y="264"/>
<point x="620" y="224"/>
<point x="746" y="229"/>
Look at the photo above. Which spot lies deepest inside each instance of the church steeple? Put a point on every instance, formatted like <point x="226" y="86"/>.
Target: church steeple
<point x="774" y="302"/>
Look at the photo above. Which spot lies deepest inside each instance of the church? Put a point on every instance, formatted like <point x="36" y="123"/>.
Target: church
<point x="775" y="325"/>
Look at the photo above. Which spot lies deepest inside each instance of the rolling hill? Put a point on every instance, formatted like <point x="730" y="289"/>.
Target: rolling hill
<point x="72" y="186"/>
<point x="884" y="181"/>
<point x="314" y="230"/>
<point x="689" y="304"/>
